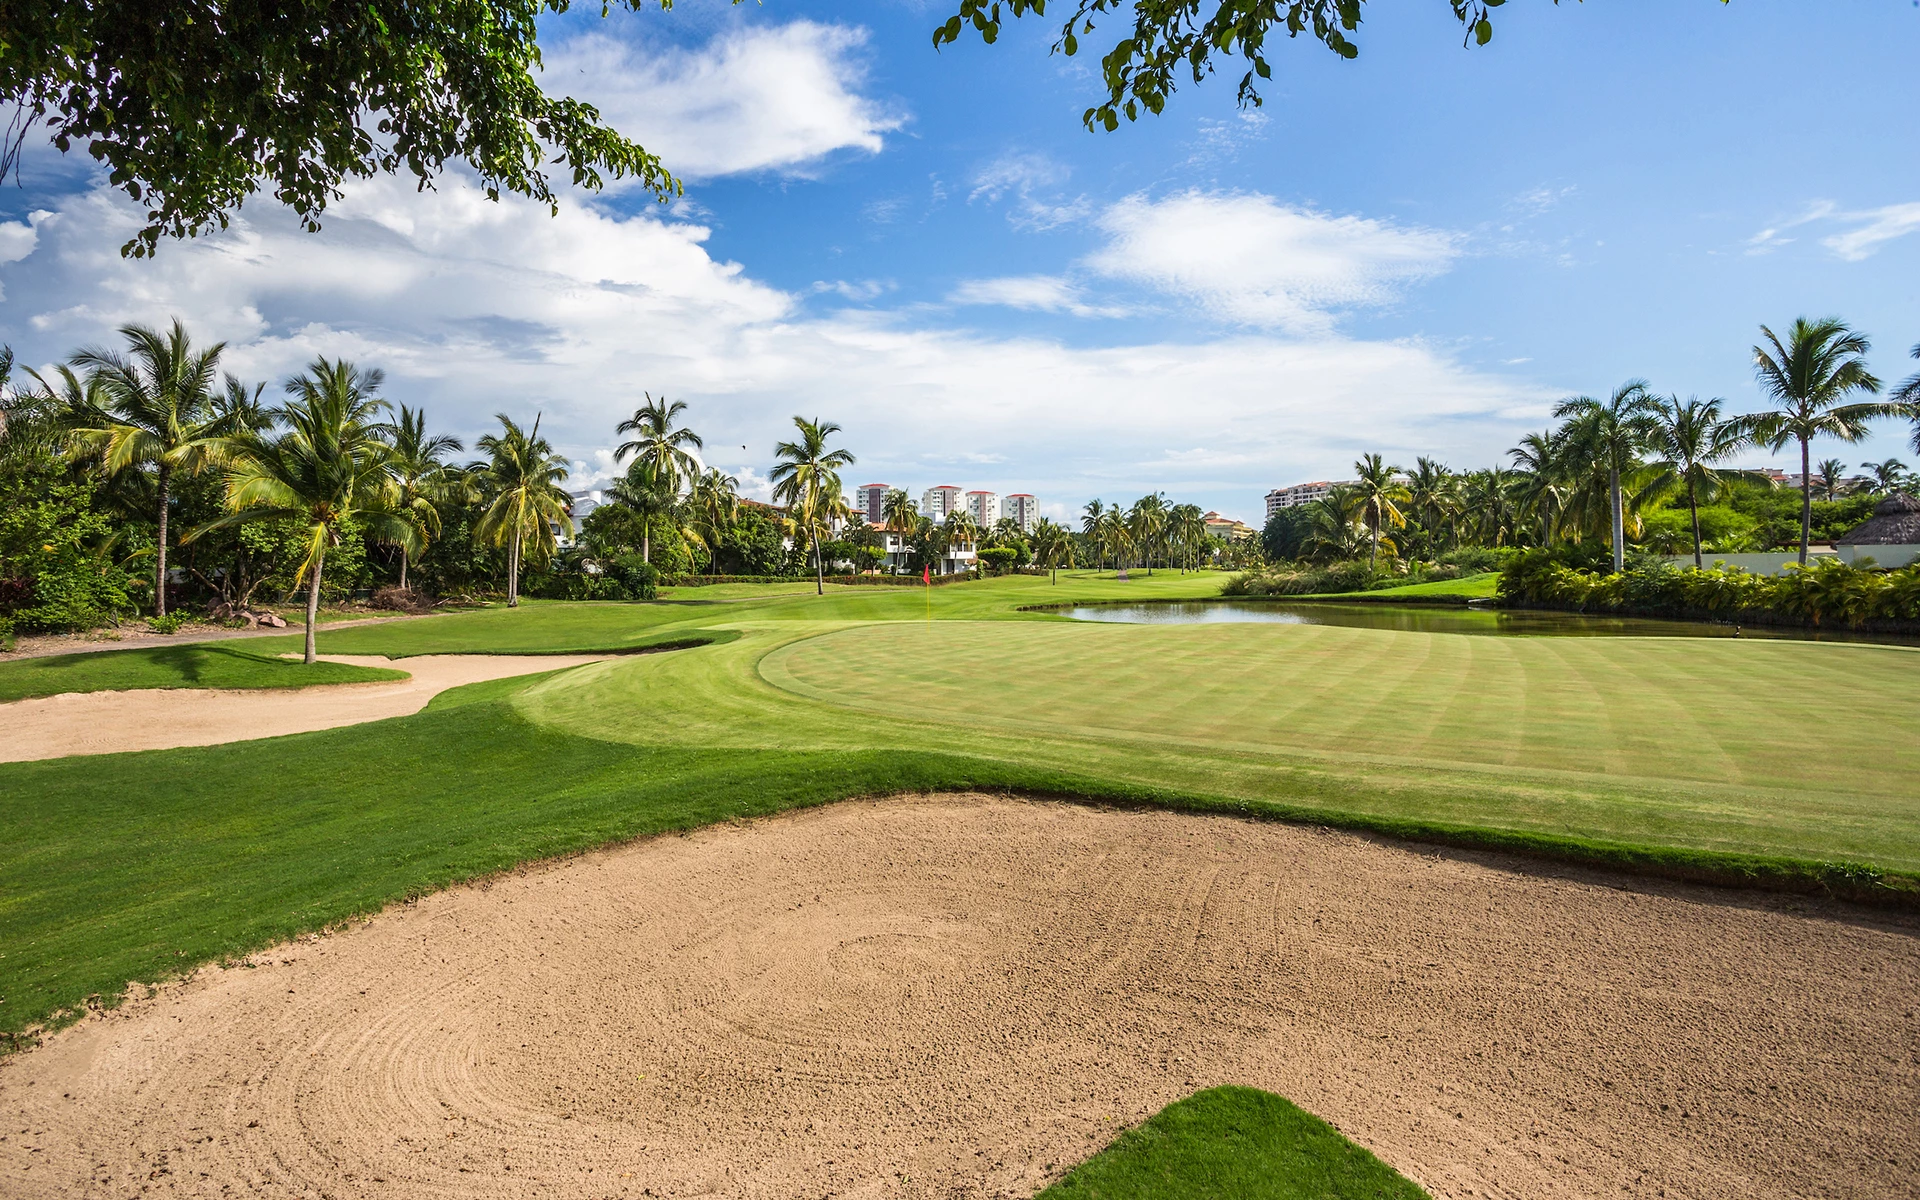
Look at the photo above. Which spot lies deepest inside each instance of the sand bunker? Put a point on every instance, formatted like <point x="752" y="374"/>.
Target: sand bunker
<point x="961" y="996"/>
<point x="109" y="722"/>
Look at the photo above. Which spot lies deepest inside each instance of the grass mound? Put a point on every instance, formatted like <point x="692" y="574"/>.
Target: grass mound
<point x="191" y="666"/>
<point x="1235" y="1143"/>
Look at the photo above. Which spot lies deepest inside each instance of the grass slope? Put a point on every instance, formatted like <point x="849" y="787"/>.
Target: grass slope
<point x="1470" y="587"/>
<point x="1681" y="755"/>
<point x="1233" y="1143"/>
<point x="206" y="665"/>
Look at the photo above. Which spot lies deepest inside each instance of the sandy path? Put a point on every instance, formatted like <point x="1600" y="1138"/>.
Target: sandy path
<point x="959" y="996"/>
<point x="154" y="719"/>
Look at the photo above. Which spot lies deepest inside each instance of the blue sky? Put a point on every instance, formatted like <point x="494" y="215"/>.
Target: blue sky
<point x="1416" y="252"/>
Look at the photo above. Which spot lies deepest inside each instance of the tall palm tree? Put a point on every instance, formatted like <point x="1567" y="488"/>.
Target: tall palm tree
<point x="898" y="512"/>
<point x="423" y="476"/>
<point x="1052" y="546"/>
<point x="1147" y="525"/>
<point x="1540" y="490"/>
<point x="1187" y="531"/>
<point x="1090" y="522"/>
<point x="1607" y="437"/>
<point x="1432" y="492"/>
<point x="647" y="490"/>
<point x="522" y="476"/>
<point x="1810" y="376"/>
<point x="1888" y="474"/>
<point x="1489" y="496"/>
<point x="1908" y="393"/>
<point x="713" y="504"/>
<point x="331" y="465"/>
<point x="1115" y="536"/>
<point x="1335" y="523"/>
<point x="158" y="412"/>
<point x="806" y="478"/>
<point x="658" y="442"/>
<point x="1381" y="495"/>
<point x="1689" y="437"/>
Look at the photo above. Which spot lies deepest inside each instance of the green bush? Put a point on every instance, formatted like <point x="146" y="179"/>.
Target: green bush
<point x="1824" y="592"/>
<point x="56" y="572"/>
<point x="998" y="560"/>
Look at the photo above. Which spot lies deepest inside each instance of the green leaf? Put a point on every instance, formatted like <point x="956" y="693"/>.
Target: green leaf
<point x="1483" y="31"/>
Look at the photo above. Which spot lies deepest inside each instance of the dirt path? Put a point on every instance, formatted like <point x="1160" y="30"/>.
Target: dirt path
<point x="961" y="996"/>
<point x="154" y="719"/>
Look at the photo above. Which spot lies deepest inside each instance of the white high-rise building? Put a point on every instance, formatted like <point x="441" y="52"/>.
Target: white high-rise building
<point x="937" y="502"/>
<point x="985" y="507"/>
<point x="1023" y="508"/>
<point x="1301" y="493"/>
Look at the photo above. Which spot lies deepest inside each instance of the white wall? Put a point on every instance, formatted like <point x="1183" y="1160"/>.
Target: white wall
<point x="1773" y="562"/>
<point x="1882" y="556"/>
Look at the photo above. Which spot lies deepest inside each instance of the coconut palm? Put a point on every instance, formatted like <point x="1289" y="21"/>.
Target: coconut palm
<point x="1335" y="523"/>
<point x="331" y="465"/>
<point x="157" y="411"/>
<point x="1114" y="536"/>
<point x="647" y="489"/>
<point x="521" y="479"/>
<point x="1381" y="495"/>
<point x="1888" y="474"/>
<point x="1433" y="496"/>
<point x="898" y="512"/>
<point x="1187" y="532"/>
<point x="960" y="529"/>
<point x="1908" y="393"/>
<point x="806" y="478"/>
<point x="424" y="477"/>
<point x="1052" y="546"/>
<point x="713" y="508"/>
<point x="1830" y="478"/>
<point x="1147" y="526"/>
<point x="1810" y="376"/>
<point x="1489" y="496"/>
<point x="1091" y="518"/>
<point x="1689" y="437"/>
<point x="1605" y="439"/>
<point x="658" y="442"/>
<point x="1540" y="489"/>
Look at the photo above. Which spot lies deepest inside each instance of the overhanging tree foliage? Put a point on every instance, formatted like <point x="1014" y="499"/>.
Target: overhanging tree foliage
<point x="194" y="105"/>
<point x="1172" y="38"/>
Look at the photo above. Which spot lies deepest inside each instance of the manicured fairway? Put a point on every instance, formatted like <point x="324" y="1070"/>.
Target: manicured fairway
<point x="1672" y="752"/>
<point x="1233" y="1143"/>
<point x="207" y="665"/>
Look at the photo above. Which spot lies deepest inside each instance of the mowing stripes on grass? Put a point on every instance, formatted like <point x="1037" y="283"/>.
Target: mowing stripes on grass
<point x="203" y="665"/>
<point x="1233" y="1143"/>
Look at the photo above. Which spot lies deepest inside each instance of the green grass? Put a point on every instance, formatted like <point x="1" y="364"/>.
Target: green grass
<point x="1467" y="587"/>
<point x="1714" y="757"/>
<point x="203" y="665"/>
<point x="1233" y="1143"/>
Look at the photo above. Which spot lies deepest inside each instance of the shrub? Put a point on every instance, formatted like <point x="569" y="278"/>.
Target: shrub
<point x="55" y="573"/>
<point x="1824" y="592"/>
<point x="998" y="560"/>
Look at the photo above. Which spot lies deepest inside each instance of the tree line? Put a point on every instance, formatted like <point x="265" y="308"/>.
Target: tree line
<point x="1636" y="469"/>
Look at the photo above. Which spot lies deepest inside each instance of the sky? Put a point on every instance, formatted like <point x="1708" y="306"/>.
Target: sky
<point x="1416" y="252"/>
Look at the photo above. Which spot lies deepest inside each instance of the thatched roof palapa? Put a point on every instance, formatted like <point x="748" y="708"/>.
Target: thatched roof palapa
<point x="1895" y="522"/>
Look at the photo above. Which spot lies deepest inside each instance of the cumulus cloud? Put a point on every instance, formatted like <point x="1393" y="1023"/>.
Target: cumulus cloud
<point x="476" y="307"/>
<point x="1251" y="259"/>
<point x="779" y="98"/>
<point x="1034" y="293"/>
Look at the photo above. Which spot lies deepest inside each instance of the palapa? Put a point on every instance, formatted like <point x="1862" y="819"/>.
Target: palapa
<point x="1895" y="522"/>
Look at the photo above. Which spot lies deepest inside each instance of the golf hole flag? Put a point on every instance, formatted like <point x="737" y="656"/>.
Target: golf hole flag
<point x="926" y="576"/>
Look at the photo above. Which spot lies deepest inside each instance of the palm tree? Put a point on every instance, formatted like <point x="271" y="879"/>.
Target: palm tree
<point x="1908" y="393"/>
<point x="332" y="465"/>
<point x="1334" y="521"/>
<point x="522" y="474"/>
<point x="1830" y="478"/>
<point x="1432" y="494"/>
<point x="806" y="478"/>
<point x="1091" y="518"/>
<point x="1115" y="538"/>
<point x="158" y="412"/>
<point x="1146" y="525"/>
<point x="658" y="442"/>
<point x="713" y="504"/>
<point x="1690" y="437"/>
<point x="1606" y="438"/>
<point x="1888" y="474"/>
<point x="1187" y="529"/>
<point x="1489" y="496"/>
<point x="897" y="511"/>
<point x="1541" y="488"/>
<point x="1810" y="377"/>
<point x="423" y="476"/>
<point x="647" y="490"/>
<point x="1381" y="493"/>
<point x="1052" y="545"/>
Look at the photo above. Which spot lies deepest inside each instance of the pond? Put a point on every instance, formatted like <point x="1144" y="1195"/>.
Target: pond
<point x="1480" y="620"/>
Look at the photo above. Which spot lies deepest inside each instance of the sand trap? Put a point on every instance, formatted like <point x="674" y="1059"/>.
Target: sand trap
<point x="155" y="719"/>
<point x="960" y="996"/>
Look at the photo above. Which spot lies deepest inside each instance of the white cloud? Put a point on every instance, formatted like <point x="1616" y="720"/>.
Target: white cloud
<point x="755" y="99"/>
<point x="1034" y="293"/>
<point x="475" y="308"/>
<point x="1024" y="178"/>
<point x="1250" y="259"/>
<point x="1877" y="225"/>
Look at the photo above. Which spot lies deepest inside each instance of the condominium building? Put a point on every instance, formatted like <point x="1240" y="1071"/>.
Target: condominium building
<point x="870" y="500"/>
<point x="1023" y="510"/>
<point x="937" y="502"/>
<point x="1301" y="493"/>
<point x="985" y="508"/>
<point x="1228" y="528"/>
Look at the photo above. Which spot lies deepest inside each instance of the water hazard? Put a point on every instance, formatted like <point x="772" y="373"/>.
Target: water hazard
<point x="1478" y="620"/>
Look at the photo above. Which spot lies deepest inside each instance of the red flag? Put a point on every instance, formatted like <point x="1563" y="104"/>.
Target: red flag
<point x="926" y="576"/>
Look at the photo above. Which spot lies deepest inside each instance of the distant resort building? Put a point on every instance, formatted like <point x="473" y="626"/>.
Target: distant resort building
<point x="937" y="502"/>
<point x="1227" y="528"/>
<point x="984" y="508"/>
<point x="1302" y="493"/>
<point x="870" y="501"/>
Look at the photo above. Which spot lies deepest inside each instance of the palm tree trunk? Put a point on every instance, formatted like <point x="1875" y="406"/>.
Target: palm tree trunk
<point x="160" y="562"/>
<point x="513" y="572"/>
<point x="1805" y="504"/>
<point x="313" y="601"/>
<point x="646" y="542"/>
<point x="1693" y="508"/>
<point x="403" y="568"/>
<point x="819" y="568"/>
<point x="1619" y="521"/>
